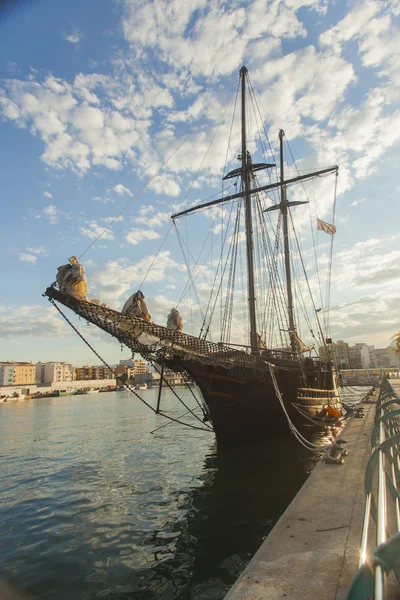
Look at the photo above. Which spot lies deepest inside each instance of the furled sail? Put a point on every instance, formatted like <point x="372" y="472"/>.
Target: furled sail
<point x="152" y="340"/>
<point x="298" y="343"/>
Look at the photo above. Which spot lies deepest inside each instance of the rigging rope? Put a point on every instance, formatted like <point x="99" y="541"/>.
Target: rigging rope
<point x="188" y="270"/>
<point x="227" y="316"/>
<point x="308" y="283"/>
<point x="204" y="428"/>
<point x="328" y="291"/>
<point x="146" y="185"/>
<point x="180" y="399"/>
<point x="312" y="225"/>
<point x="192" y="182"/>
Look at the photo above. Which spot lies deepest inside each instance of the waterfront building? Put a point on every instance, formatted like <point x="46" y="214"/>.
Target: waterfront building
<point x="94" y="372"/>
<point x="339" y="353"/>
<point x="126" y="362"/>
<point x="54" y="372"/>
<point x="17" y="373"/>
<point x="387" y="357"/>
<point x="173" y="378"/>
<point x="359" y="355"/>
<point x="139" y="366"/>
<point x="123" y="373"/>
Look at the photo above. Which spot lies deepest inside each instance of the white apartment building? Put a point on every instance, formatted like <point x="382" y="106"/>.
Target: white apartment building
<point x="17" y="373"/>
<point x="139" y="367"/>
<point x="6" y="373"/>
<point x="386" y="357"/>
<point x="54" y="372"/>
<point x="359" y="355"/>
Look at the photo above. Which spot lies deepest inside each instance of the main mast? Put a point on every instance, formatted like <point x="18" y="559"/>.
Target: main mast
<point x="246" y="170"/>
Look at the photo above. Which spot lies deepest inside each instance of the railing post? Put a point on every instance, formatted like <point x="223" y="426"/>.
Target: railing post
<point x="381" y="517"/>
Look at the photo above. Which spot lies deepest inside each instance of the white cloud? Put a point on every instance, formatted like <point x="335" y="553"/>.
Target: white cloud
<point x="73" y="37"/>
<point x="51" y="214"/>
<point x="370" y="317"/>
<point x="47" y="194"/>
<point x="148" y="208"/>
<point x="368" y="264"/>
<point x="93" y="230"/>
<point x="102" y="199"/>
<point x="357" y="202"/>
<point x="121" y="190"/>
<point x="75" y="134"/>
<point x="216" y="42"/>
<point x="135" y="236"/>
<point x="350" y="26"/>
<point x="165" y="184"/>
<point x="108" y="220"/>
<point x="157" y="220"/>
<point x="32" y="320"/>
<point x="31" y="258"/>
<point x="37" y="250"/>
<point x="119" y="278"/>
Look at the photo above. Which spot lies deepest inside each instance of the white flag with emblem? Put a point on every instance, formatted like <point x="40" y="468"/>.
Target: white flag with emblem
<point x="327" y="227"/>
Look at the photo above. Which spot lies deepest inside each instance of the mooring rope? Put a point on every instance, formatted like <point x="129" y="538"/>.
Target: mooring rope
<point x="303" y="441"/>
<point x="317" y="421"/>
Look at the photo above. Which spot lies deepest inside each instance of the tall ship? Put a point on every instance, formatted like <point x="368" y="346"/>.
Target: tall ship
<point x="253" y="389"/>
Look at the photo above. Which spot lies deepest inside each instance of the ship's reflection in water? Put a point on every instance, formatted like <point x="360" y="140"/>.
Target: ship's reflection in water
<point x="92" y="505"/>
<point x="239" y="498"/>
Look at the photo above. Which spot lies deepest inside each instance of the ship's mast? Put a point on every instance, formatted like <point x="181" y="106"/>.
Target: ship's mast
<point x="246" y="170"/>
<point x="246" y="173"/>
<point x="284" y="206"/>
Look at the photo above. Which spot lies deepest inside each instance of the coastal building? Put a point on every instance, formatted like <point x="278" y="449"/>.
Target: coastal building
<point x="173" y="378"/>
<point x="126" y="362"/>
<point x="339" y="353"/>
<point x="54" y="372"/>
<point x="387" y="357"/>
<point x="17" y="373"/>
<point x="124" y="373"/>
<point x="359" y="355"/>
<point x="139" y="366"/>
<point x="130" y="373"/>
<point x="94" y="372"/>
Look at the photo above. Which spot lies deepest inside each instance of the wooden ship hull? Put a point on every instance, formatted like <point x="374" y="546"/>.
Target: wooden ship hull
<point x="238" y="392"/>
<point x="243" y="410"/>
<point x="240" y="410"/>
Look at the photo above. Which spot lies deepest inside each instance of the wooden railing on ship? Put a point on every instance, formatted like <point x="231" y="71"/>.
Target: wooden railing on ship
<point x="316" y="393"/>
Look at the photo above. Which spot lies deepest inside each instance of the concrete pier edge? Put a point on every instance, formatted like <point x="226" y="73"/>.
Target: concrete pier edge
<point x="313" y="550"/>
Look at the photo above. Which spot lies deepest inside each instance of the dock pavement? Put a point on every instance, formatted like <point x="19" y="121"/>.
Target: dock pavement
<point x="312" y="552"/>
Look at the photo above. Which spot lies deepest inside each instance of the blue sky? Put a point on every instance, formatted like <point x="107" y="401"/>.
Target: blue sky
<point x="95" y="96"/>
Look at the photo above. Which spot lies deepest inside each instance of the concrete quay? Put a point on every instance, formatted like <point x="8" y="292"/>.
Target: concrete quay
<point x="313" y="550"/>
<point x="43" y="388"/>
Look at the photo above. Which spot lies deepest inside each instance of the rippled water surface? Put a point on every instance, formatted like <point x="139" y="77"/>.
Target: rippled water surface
<point x="94" y="505"/>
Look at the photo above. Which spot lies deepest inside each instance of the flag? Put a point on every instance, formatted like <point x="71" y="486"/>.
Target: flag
<point x="327" y="227"/>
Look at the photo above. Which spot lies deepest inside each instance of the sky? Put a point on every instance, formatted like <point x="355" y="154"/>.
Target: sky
<point x="97" y="96"/>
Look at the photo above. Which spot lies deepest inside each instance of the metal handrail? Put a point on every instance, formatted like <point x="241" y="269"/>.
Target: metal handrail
<point x="382" y="476"/>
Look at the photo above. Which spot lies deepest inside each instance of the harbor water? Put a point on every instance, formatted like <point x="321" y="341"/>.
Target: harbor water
<point x="93" y="504"/>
